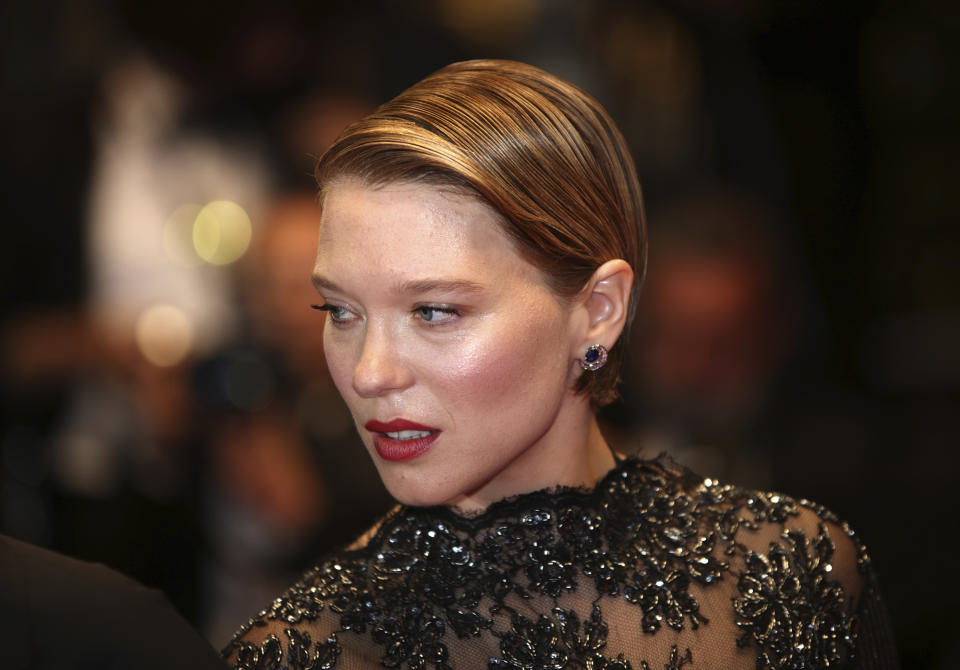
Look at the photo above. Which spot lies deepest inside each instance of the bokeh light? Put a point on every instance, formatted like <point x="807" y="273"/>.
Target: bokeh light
<point x="164" y="335"/>
<point x="221" y="232"/>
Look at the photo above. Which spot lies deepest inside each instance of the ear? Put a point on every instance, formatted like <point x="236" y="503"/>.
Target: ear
<point x="606" y="300"/>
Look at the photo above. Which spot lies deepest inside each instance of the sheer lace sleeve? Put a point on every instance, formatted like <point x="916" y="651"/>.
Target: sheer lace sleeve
<point x="804" y="587"/>
<point x="303" y="629"/>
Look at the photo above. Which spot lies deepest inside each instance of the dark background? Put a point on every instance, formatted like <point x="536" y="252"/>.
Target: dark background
<point x="840" y="116"/>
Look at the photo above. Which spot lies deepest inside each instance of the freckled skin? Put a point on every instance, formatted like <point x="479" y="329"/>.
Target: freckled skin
<point x="496" y="378"/>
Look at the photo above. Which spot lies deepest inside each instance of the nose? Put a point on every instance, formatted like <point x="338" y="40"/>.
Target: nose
<point x="380" y="370"/>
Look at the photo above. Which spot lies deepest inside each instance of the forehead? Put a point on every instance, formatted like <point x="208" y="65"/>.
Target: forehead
<point x="412" y="230"/>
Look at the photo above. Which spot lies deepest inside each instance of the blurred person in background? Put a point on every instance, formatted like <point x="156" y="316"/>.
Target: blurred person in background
<point x="728" y="367"/>
<point x="118" y="464"/>
<point x="716" y="327"/>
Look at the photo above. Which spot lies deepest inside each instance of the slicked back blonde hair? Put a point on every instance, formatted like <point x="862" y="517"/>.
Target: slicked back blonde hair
<point x="537" y="149"/>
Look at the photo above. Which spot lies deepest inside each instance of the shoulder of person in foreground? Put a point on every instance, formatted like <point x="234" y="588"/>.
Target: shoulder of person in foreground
<point x="60" y="612"/>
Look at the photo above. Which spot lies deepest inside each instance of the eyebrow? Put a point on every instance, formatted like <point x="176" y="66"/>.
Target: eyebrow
<point x="443" y="285"/>
<point x="416" y="286"/>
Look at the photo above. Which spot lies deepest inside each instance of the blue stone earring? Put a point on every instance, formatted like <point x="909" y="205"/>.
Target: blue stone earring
<point x="595" y="358"/>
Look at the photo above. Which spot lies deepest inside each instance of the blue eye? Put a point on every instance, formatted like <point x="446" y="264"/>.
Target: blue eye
<point x="432" y="314"/>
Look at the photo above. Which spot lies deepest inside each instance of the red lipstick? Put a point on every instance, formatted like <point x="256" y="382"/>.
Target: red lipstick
<point x="392" y="449"/>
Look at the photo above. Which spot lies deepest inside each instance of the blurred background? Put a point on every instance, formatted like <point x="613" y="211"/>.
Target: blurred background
<point x="166" y="408"/>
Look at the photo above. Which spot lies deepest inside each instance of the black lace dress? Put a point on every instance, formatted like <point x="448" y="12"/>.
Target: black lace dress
<point x="653" y="568"/>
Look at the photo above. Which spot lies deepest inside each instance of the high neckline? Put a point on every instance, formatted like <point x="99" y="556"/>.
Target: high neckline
<point x="552" y="497"/>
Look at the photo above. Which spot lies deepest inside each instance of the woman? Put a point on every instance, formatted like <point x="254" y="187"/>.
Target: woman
<point x="481" y="248"/>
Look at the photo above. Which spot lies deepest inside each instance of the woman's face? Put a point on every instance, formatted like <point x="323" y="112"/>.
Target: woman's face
<point x="456" y="359"/>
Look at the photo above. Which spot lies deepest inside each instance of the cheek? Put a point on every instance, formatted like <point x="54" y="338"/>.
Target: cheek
<point x="508" y="367"/>
<point x="485" y="369"/>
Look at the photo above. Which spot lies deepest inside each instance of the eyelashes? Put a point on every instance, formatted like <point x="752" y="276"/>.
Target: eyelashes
<point x="336" y="313"/>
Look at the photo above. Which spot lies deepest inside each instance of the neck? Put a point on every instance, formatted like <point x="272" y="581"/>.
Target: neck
<point x="573" y="453"/>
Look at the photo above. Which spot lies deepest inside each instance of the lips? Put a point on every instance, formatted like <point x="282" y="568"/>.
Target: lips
<point x="401" y="440"/>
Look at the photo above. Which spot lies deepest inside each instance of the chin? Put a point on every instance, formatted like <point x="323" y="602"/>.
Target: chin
<point x="415" y="496"/>
<point x="416" y="492"/>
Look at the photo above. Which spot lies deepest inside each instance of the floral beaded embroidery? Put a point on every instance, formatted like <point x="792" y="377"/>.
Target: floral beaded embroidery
<point x="791" y="609"/>
<point x="301" y="653"/>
